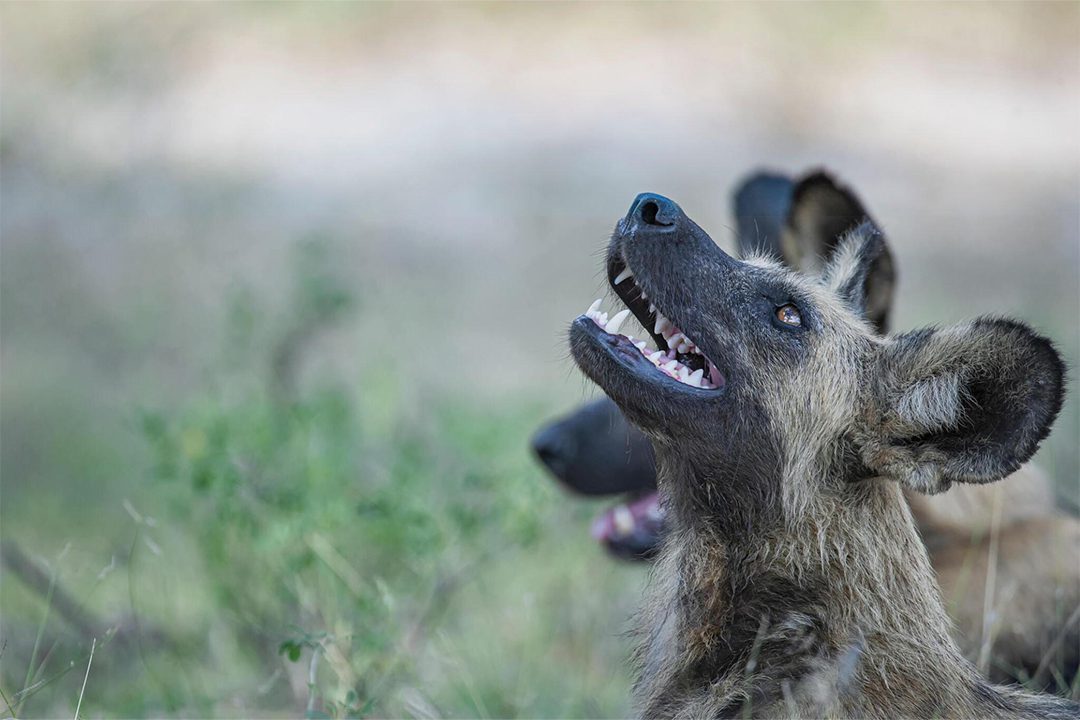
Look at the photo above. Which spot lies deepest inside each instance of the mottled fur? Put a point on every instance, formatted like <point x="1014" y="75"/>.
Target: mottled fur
<point x="1030" y="633"/>
<point x="793" y="581"/>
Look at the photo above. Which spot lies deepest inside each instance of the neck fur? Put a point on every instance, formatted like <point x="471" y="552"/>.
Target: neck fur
<point x="842" y="598"/>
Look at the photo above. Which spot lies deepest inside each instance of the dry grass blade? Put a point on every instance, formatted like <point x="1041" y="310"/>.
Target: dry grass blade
<point x="82" y="691"/>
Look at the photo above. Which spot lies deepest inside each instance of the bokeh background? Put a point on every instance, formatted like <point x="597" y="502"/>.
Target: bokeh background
<point x="284" y="291"/>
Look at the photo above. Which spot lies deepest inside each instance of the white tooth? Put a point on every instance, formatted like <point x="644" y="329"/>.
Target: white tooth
<point x="652" y="308"/>
<point x="683" y="348"/>
<point x="594" y="307"/>
<point x="624" y="520"/>
<point x="617" y="321"/>
<point x="601" y="320"/>
<point x="673" y="340"/>
<point x="671" y="365"/>
<point x="640" y="345"/>
<point x="623" y="276"/>
<point x="655" y="357"/>
<point x="683" y="373"/>
<point x="662" y="324"/>
<point x="695" y="377"/>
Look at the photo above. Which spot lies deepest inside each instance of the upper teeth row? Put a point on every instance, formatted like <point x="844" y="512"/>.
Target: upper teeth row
<point x="665" y="361"/>
<point x="672" y="335"/>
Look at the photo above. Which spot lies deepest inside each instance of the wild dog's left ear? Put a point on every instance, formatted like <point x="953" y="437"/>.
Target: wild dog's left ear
<point x="851" y="270"/>
<point x="969" y="403"/>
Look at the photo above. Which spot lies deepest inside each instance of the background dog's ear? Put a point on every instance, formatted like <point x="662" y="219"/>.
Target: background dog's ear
<point x="968" y="404"/>
<point x="822" y="213"/>
<point x="762" y="203"/>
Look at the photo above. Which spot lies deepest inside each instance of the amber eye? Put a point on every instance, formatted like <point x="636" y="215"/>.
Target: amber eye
<point x="789" y="315"/>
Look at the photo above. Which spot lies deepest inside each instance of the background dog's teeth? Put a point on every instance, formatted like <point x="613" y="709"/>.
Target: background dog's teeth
<point x="623" y="276"/>
<point x="617" y="321"/>
<point x="594" y="307"/>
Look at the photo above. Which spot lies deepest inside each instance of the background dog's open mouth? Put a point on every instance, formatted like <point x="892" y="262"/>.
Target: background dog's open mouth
<point x="631" y="528"/>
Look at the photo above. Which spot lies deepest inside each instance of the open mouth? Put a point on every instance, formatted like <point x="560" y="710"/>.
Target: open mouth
<point x="631" y="528"/>
<point x="675" y="355"/>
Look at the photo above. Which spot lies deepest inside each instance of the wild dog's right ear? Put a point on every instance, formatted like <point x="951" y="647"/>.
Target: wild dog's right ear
<point x="969" y="403"/>
<point x="850" y="271"/>
<point x="822" y="213"/>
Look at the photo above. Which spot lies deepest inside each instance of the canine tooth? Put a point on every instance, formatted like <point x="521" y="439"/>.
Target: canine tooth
<point x="670" y="366"/>
<point x="601" y="320"/>
<point x="624" y="520"/>
<point x="683" y="373"/>
<point x="695" y="377"/>
<point x="594" y="307"/>
<point x="617" y="321"/>
<point x="623" y="276"/>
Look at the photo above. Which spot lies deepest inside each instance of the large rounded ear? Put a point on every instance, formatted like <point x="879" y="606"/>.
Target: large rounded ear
<point x="968" y="404"/>
<point x="822" y="213"/>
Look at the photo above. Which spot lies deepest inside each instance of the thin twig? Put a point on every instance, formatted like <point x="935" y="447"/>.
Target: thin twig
<point x="1050" y="651"/>
<point x="82" y="692"/>
<point x="988" y="591"/>
<point x="313" y="669"/>
<point x="7" y="702"/>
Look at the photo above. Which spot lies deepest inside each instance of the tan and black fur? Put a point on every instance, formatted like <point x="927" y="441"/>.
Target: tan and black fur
<point x="1027" y="628"/>
<point x="793" y="581"/>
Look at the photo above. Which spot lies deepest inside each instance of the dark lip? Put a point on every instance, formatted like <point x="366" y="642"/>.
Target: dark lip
<point x="620" y="349"/>
<point x="629" y="291"/>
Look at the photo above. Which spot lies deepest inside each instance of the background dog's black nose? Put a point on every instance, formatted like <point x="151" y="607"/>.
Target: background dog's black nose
<point x="655" y="210"/>
<point x="553" y="448"/>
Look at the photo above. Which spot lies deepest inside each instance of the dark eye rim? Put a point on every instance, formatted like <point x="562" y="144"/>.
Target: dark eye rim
<point x="788" y="326"/>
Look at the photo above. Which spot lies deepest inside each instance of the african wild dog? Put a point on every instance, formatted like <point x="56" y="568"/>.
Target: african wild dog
<point x="1025" y="630"/>
<point x="792" y="580"/>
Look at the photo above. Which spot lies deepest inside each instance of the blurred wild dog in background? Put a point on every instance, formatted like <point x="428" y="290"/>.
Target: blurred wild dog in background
<point x="1004" y="555"/>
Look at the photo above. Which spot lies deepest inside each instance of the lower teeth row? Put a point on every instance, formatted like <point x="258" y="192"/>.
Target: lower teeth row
<point x="665" y="362"/>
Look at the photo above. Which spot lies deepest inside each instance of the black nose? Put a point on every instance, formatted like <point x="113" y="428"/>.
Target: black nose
<point x="554" y="448"/>
<point x="655" y="210"/>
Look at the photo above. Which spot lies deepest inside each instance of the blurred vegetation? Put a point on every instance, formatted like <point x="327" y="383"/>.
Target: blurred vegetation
<point x="338" y="540"/>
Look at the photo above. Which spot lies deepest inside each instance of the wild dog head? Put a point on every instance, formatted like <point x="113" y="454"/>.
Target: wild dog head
<point x="595" y="451"/>
<point x="772" y="389"/>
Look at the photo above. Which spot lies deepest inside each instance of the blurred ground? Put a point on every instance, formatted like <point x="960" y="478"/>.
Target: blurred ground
<point x="459" y="167"/>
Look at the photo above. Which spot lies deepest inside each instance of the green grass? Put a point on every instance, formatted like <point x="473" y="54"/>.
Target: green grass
<point x="326" y="546"/>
